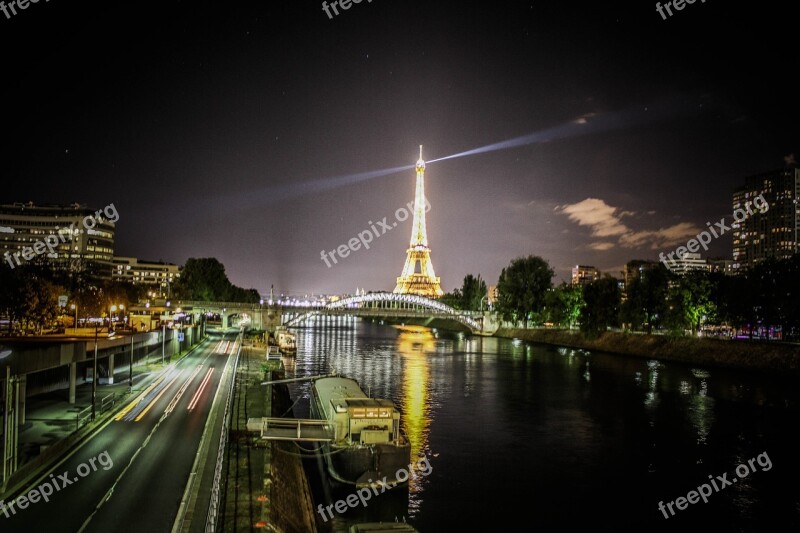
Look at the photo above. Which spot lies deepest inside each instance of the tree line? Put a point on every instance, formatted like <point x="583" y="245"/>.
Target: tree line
<point x="29" y="293"/>
<point x="656" y="299"/>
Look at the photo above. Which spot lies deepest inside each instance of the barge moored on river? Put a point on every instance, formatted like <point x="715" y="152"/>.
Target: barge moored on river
<point x="287" y="342"/>
<point x="368" y="443"/>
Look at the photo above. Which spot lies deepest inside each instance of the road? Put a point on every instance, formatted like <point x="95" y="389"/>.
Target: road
<point x="152" y="445"/>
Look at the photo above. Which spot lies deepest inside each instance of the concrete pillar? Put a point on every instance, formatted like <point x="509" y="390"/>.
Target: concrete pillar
<point x="23" y="387"/>
<point x="73" y="372"/>
<point x="111" y="369"/>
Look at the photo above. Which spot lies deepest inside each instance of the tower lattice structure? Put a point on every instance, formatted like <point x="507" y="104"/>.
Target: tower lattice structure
<point x="418" y="276"/>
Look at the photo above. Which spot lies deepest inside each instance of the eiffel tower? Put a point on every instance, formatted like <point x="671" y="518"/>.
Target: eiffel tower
<point x="418" y="276"/>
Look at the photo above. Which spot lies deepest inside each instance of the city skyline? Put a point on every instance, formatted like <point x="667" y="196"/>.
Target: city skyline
<point x="273" y="132"/>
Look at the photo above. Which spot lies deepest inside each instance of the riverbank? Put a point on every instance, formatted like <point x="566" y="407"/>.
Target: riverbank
<point x="266" y="484"/>
<point x="754" y="355"/>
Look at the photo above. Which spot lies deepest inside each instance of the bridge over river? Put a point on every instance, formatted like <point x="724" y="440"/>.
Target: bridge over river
<point x="379" y="305"/>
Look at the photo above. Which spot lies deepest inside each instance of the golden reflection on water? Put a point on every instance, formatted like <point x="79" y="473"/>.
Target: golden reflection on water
<point x="415" y="346"/>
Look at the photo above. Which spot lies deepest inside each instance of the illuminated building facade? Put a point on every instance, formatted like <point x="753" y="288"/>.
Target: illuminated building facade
<point x="80" y="244"/>
<point x="584" y="275"/>
<point x="688" y="262"/>
<point x="774" y="233"/>
<point x="158" y="275"/>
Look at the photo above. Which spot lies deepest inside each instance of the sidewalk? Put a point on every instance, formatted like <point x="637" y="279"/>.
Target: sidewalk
<point x="50" y="417"/>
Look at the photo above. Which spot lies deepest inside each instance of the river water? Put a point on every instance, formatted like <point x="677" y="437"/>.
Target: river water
<point x="554" y="437"/>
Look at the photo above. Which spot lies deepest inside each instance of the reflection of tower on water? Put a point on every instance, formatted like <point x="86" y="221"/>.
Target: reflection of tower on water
<point x="415" y="347"/>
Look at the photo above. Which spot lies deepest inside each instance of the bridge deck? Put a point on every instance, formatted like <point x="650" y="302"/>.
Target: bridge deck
<point x="295" y="429"/>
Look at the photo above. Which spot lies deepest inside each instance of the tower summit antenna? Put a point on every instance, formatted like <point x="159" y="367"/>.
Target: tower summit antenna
<point x="420" y="151"/>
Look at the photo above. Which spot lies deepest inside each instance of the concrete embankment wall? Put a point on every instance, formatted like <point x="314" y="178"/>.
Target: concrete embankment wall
<point x="292" y="506"/>
<point x="756" y="355"/>
<point x="266" y="486"/>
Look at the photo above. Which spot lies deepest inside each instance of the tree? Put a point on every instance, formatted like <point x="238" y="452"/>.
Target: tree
<point x="646" y="301"/>
<point x="472" y="292"/>
<point x="563" y="305"/>
<point x="691" y="301"/>
<point x="769" y="296"/>
<point x="29" y="300"/>
<point x="453" y="299"/>
<point x="205" y="280"/>
<point x="734" y="300"/>
<point x="7" y="287"/>
<point x="90" y="299"/>
<point x="601" y="311"/>
<point x="522" y="288"/>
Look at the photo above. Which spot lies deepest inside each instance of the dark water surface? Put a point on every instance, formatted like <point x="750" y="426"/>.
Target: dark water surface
<point x="554" y="437"/>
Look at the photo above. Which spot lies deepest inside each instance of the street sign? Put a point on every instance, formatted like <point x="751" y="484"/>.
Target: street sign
<point x="180" y="336"/>
<point x="62" y="300"/>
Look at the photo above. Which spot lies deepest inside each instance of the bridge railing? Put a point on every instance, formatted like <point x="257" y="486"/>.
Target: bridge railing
<point x="431" y="307"/>
<point x="218" y="483"/>
<point x="215" y="305"/>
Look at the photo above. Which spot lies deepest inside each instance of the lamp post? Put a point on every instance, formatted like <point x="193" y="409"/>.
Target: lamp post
<point x="75" y="326"/>
<point x="97" y="329"/>
<point x="130" y="364"/>
<point x="163" y="335"/>
<point x="94" y="371"/>
<point x="180" y="332"/>
<point x="163" y="340"/>
<point x="483" y="317"/>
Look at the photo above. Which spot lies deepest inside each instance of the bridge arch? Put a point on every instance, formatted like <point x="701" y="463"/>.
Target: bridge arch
<point x="389" y="300"/>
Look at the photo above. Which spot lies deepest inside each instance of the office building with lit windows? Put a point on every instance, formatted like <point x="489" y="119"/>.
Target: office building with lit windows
<point x="584" y="275"/>
<point x="24" y="225"/>
<point x="689" y="262"/>
<point x="775" y="233"/>
<point x="155" y="274"/>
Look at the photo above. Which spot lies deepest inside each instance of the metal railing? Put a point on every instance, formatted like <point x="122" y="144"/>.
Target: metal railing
<point x="84" y="416"/>
<point x="216" y="487"/>
<point x="292" y="429"/>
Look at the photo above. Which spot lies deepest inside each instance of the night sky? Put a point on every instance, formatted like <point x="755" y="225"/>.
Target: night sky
<point x="249" y="131"/>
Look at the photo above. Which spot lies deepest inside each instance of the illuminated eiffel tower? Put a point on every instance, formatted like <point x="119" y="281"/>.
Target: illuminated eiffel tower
<point x="418" y="276"/>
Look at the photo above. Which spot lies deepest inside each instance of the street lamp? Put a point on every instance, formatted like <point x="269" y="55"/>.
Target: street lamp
<point x="97" y="328"/>
<point x="130" y="360"/>
<point x="94" y="371"/>
<point x="75" y="308"/>
<point x="163" y="339"/>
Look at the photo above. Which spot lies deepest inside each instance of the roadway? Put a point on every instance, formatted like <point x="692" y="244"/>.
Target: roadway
<point x="152" y="444"/>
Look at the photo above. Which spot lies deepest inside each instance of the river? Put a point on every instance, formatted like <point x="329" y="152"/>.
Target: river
<point x="555" y="437"/>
